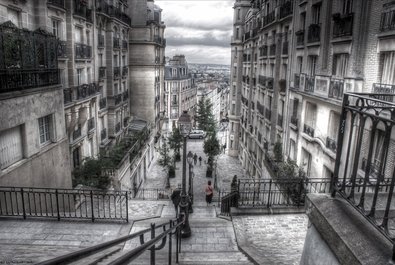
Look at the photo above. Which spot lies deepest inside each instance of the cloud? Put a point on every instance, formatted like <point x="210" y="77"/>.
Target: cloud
<point x="201" y="54"/>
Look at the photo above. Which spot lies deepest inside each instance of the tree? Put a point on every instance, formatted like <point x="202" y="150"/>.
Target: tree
<point x="211" y="148"/>
<point x="165" y="160"/>
<point x="91" y="173"/>
<point x="175" y="143"/>
<point x="204" y="116"/>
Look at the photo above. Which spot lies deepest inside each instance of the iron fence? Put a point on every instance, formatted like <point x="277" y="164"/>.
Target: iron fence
<point x="63" y="204"/>
<point x="342" y="25"/>
<point x="314" y="33"/>
<point x="151" y="194"/>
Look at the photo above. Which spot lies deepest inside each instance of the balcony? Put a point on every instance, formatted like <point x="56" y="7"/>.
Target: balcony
<point x="100" y="41"/>
<point x="297" y="81"/>
<point x="81" y="10"/>
<point x="262" y="80"/>
<point x="115" y="43"/>
<point x="77" y="133"/>
<point x="280" y="120"/>
<point x="263" y="51"/>
<point x="246" y="79"/>
<point x="117" y="127"/>
<point x="81" y="92"/>
<point x="112" y="11"/>
<point x="268" y="114"/>
<point x="124" y="45"/>
<point x="103" y="134"/>
<point x="269" y="18"/>
<point x="384" y="92"/>
<point x="342" y="25"/>
<point x="286" y="9"/>
<point x="336" y="89"/>
<point x="118" y="99"/>
<point x="62" y="49"/>
<point x="125" y="72"/>
<point x="314" y="33"/>
<point x="57" y="3"/>
<point x="102" y="72"/>
<point x="387" y="21"/>
<point x="91" y="124"/>
<point x="309" y="84"/>
<point x="117" y="72"/>
<point x="299" y="37"/>
<point x="272" y="50"/>
<point x="269" y="83"/>
<point x="331" y="144"/>
<point x="27" y="59"/>
<point x="102" y="103"/>
<point x="82" y="51"/>
<point x="125" y="95"/>
<point x="294" y="120"/>
<point x="285" y="48"/>
<point x="308" y="130"/>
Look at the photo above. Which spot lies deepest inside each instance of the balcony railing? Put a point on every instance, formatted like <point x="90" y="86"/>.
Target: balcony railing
<point x="262" y="80"/>
<point x="125" y="95"/>
<point x="117" y="71"/>
<point x="285" y="48"/>
<point x="102" y="103"/>
<point x="81" y="10"/>
<point x="280" y="120"/>
<point x="124" y="72"/>
<point x="118" y="99"/>
<point x="314" y="33"/>
<point x="336" y="89"/>
<point x="384" y="92"/>
<point x="100" y="40"/>
<point x="268" y="114"/>
<point x="103" y="134"/>
<point x="116" y="44"/>
<point x="299" y="37"/>
<point x="269" y="83"/>
<point x="286" y="9"/>
<point x="91" y="124"/>
<point x="77" y="133"/>
<point x="308" y="130"/>
<point x="81" y="92"/>
<point x="309" y="83"/>
<point x="342" y="25"/>
<point x="331" y="144"/>
<point x="83" y="51"/>
<point x="269" y="18"/>
<point x="102" y="72"/>
<point x="62" y="49"/>
<point x="124" y="45"/>
<point x="103" y="7"/>
<point x="272" y="50"/>
<point x="117" y="127"/>
<point x="387" y="21"/>
<point x="57" y="3"/>
<point x="297" y="81"/>
<point x="294" y="120"/>
<point x="263" y="51"/>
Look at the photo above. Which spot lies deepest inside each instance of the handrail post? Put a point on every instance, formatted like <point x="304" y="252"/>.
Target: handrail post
<point x="300" y="191"/>
<point x="152" y="250"/>
<point x="23" y="204"/>
<point x="127" y="207"/>
<point x="57" y="203"/>
<point x="170" y="241"/>
<point x="177" y="241"/>
<point x="92" y="210"/>
<point x="270" y="191"/>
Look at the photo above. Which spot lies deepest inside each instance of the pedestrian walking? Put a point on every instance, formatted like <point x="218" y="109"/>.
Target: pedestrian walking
<point x="176" y="198"/>
<point x="195" y="159"/>
<point x="209" y="193"/>
<point x="200" y="160"/>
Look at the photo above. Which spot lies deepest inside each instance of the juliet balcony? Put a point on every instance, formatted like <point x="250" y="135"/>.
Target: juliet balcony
<point x="56" y="3"/>
<point x="299" y="37"/>
<point x="387" y="21"/>
<point x="82" y="51"/>
<point x="100" y="41"/>
<point x="28" y="59"/>
<point x="285" y="9"/>
<point x="81" y="9"/>
<point x="314" y="33"/>
<point x="102" y="7"/>
<point x="342" y="25"/>
<point x="80" y="93"/>
<point x="125" y="71"/>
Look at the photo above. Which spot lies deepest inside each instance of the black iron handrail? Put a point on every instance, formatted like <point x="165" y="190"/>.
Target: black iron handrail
<point x="228" y="201"/>
<point x="174" y="229"/>
<point x="63" y="203"/>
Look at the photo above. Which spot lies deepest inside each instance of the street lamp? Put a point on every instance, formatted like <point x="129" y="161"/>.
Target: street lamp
<point x="190" y="182"/>
<point x="184" y="123"/>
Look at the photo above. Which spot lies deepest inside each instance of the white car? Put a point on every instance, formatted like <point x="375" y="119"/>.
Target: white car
<point x="197" y="134"/>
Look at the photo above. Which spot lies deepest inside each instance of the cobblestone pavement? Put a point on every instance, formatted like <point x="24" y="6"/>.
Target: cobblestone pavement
<point x="272" y="239"/>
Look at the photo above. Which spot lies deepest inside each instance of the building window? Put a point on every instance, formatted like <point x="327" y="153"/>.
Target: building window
<point x="388" y="68"/>
<point x="347" y="6"/>
<point x="302" y="21"/>
<point x="78" y="35"/>
<point x="44" y="125"/>
<point x="56" y="27"/>
<point x="79" y="76"/>
<point x="76" y="157"/>
<point x="312" y="64"/>
<point x="306" y="162"/>
<point x="311" y="113"/>
<point x="11" y="150"/>
<point x="334" y="125"/>
<point x="340" y="65"/>
<point x="316" y="13"/>
<point x="292" y="150"/>
<point x="299" y="65"/>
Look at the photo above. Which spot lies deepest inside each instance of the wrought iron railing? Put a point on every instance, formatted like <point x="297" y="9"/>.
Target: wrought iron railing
<point x="387" y="20"/>
<point x="336" y="88"/>
<point x="297" y="81"/>
<point x="331" y="144"/>
<point x="269" y="18"/>
<point x="63" y="204"/>
<point x="299" y="37"/>
<point x="116" y="43"/>
<point x="125" y="95"/>
<point x="384" y="92"/>
<point x="102" y="72"/>
<point x="314" y="33"/>
<point x="81" y="92"/>
<point x="167" y="231"/>
<point x="370" y="194"/>
<point x="309" y="83"/>
<point x="125" y="71"/>
<point x="91" y="124"/>
<point x="342" y="24"/>
<point x="62" y="49"/>
<point x="263" y="51"/>
<point x="82" y="10"/>
<point x="286" y="9"/>
<point x="308" y="130"/>
<point x="102" y="103"/>
<point x="272" y="50"/>
<point x="58" y="3"/>
<point x="229" y="201"/>
<point x="269" y="83"/>
<point x="83" y="51"/>
<point x="117" y="71"/>
<point x="118" y="99"/>
<point x="151" y="194"/>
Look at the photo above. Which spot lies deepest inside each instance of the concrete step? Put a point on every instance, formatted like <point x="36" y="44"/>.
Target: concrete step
<point x="207" y="258"/>
<point x="98" y="257"/>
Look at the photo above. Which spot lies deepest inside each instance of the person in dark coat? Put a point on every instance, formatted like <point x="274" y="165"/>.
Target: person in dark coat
<point x="195" y="159"/>
<point x="176" y="198"/>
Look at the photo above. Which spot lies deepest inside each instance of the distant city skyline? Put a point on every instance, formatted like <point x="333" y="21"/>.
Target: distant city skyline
<point x="201" y="30"/>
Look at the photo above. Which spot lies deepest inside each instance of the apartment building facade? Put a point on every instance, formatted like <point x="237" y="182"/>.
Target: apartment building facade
<point x="34" y="146"/>
<point x="310" y="54"/>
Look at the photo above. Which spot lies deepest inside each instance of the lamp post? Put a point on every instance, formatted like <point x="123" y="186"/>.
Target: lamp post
<point x="190" y="181"/>
<point x="184" y="123"/>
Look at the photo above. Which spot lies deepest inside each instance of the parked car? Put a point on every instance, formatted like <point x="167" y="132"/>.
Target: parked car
<point x="197" y="134"/>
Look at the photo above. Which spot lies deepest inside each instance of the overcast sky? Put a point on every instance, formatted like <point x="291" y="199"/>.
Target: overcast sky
<point x="199" y="29"/>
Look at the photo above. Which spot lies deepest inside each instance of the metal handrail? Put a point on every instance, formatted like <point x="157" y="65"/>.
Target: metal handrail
<point x="130" y="255"/>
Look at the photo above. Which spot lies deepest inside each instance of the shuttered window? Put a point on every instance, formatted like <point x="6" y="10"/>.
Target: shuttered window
<point x="10" y="146"/>
<point x="45" y="125"/>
